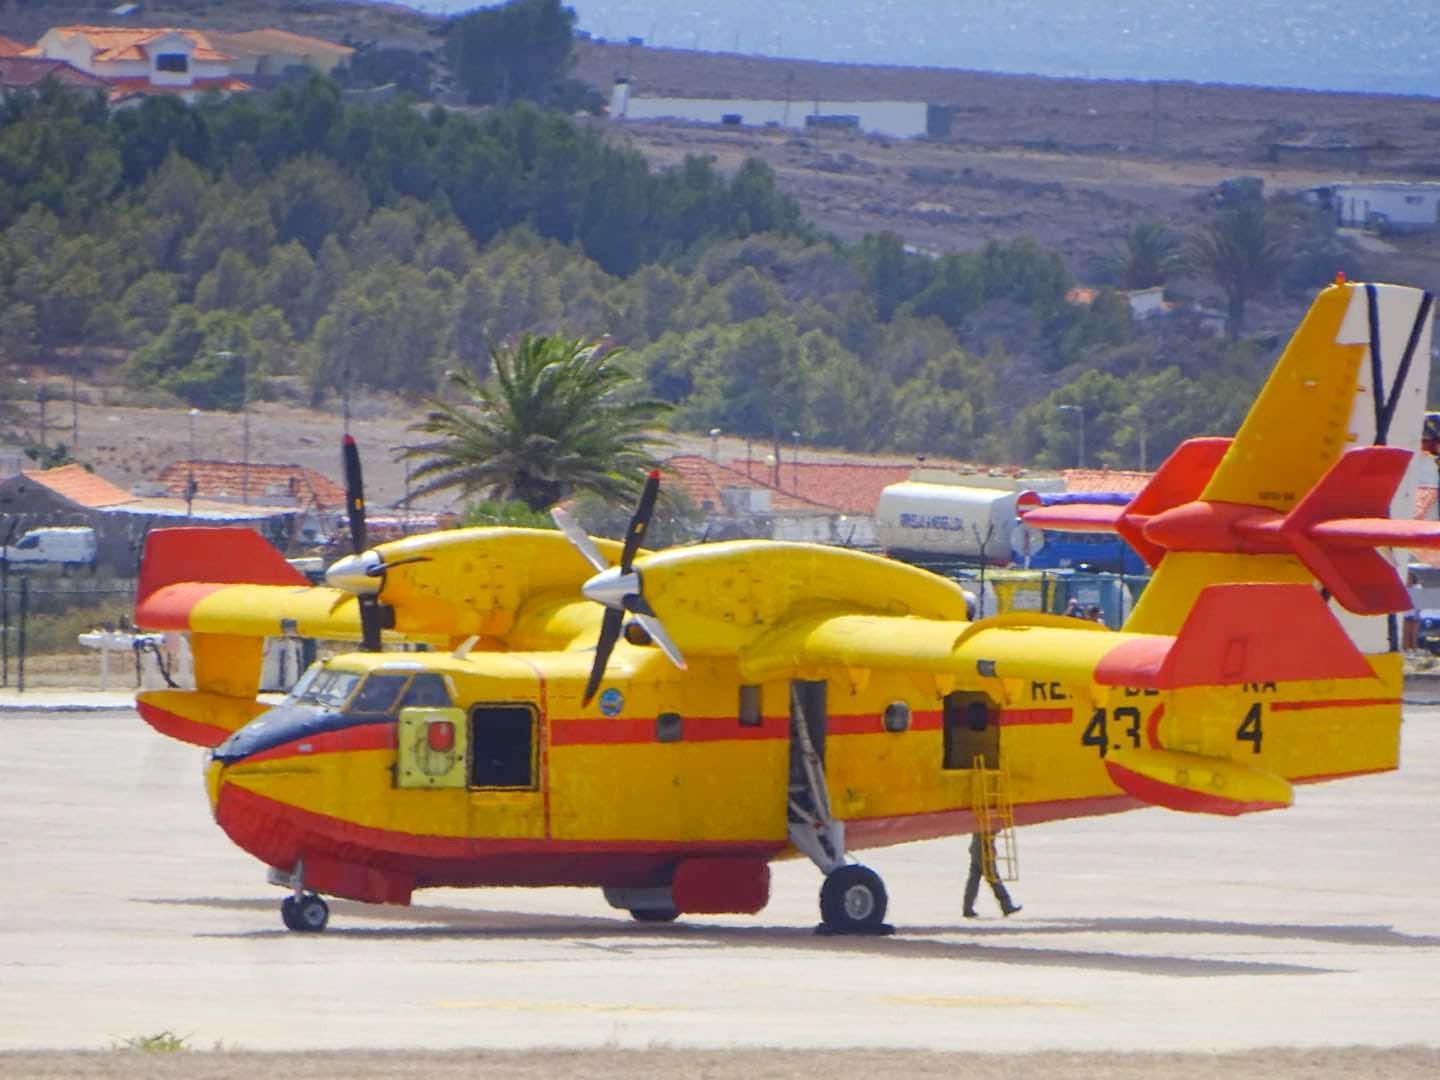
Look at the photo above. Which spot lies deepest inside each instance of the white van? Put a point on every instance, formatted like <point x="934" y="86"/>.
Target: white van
<point x="71" y="546"/>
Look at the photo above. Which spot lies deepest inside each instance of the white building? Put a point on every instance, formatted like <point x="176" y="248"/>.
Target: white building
<point x="899" y="119"/>
<point x="134" y="60"/>
<point x="1387" y="205"/>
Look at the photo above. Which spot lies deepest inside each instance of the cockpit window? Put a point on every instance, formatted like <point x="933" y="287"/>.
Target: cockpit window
<point x="378" y="695"/>
<point x="303" y="684"/>
<point x="332" y="688"/>
<point x="428" y="690"/>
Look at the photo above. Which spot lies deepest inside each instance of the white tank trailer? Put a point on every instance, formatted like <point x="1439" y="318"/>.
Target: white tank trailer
<point x="916" y="517"/>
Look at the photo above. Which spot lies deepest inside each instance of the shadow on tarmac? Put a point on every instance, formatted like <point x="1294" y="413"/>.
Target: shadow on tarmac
<point x="621" y="936"/>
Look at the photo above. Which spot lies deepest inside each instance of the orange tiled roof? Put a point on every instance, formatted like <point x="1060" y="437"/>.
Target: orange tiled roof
<point x="78" y="484"/>
<point x="19" y="71"/>
<point x="217" y="479"/>
<point x="851" y="489"/>
<point x="704" y="479"/>
<point x="108" y="43"/>
<point x="810" y="486"/>
<point x="1125" y="481"/>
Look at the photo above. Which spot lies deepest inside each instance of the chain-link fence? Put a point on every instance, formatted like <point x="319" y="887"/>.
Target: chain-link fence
<point x="69" y="630"/>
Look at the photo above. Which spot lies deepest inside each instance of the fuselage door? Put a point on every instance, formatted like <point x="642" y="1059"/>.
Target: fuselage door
<point x="505" y="774"/>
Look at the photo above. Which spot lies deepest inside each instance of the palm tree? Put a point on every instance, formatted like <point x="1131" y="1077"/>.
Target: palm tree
<point x="1148" y="255"/>
<point x="1243" y="253"/>
<point x="556" y="417"/>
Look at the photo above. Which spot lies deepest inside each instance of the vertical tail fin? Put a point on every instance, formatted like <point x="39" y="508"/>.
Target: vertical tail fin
<point x="1354" y="374"/>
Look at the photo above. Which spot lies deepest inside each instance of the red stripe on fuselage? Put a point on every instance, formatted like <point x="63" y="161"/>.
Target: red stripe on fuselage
<point x="1016" y="717"/>
<point x="379" y="735"/>
<point x="1354" y="703"/>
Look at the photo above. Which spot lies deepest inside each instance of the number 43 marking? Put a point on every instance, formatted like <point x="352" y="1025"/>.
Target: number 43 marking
<point x="1251" y="729"/>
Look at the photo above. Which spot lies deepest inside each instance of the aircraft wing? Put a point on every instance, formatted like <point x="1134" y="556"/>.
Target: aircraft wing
<point x="313" y="611"/>
<point x="1235" y="634"/>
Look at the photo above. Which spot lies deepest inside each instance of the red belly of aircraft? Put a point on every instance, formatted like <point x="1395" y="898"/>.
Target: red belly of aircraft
<point x="380" y="866"/>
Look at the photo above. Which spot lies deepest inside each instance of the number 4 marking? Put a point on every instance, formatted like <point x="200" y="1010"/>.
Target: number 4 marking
<point x="1250" y="729"/>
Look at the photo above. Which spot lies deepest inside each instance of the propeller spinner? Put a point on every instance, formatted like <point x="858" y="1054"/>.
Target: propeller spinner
<point x="619" y="588"/>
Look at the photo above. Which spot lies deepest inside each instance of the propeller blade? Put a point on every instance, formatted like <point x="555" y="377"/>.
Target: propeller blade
<point x="578" y="537"/>
<point x="609" y="632"/>
<point x="354" y="493"/>
<point x="635" y="535"/>
<point x="656" y="630"/>
<point x="370" y="623"/>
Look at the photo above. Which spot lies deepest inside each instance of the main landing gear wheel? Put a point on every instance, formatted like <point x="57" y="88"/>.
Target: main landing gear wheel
<point x="853" y="901"/>
<point x="306" y="914"/>
<point x="654" y="914"/>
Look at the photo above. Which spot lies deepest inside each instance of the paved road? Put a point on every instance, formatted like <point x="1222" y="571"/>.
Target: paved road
<point x="124" y="911"/>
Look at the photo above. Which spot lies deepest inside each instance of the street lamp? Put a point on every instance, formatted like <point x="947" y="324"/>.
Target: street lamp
<point x="244" y="422"/>
<point x="1079" y="412"/>
<point x="795" y="457"/>
<point x="714" y="444"/>
<point x="190" y="482"/>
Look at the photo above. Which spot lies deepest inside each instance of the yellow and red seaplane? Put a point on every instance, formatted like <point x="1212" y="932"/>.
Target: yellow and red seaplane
<point x="662" y="725"/>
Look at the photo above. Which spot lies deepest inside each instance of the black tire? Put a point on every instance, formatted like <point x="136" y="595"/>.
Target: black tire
<point x="310" y="914"/>
<point x="654" y="914"/>
<point x="287" y="913"/>
<point x="853" y="900"/>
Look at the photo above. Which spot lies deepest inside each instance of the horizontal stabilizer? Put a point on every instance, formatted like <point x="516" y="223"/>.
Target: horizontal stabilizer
<point x="1336" y="527"/>
<point x="1237" y="634"/>
<point x="1196" y="783"/>
<point x="228" y="556"/>
<point x="1179" y="480"/>
<point x="195" y="716"/>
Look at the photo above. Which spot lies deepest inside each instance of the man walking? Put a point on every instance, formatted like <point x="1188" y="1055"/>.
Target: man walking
<point x="982" y="864"/>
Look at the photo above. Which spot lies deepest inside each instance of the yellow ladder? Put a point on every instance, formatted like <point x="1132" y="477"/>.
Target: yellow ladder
<point x="995" y="817"/>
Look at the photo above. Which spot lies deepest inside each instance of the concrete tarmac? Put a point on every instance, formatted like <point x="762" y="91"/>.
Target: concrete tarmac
<point x="125" y="912"/>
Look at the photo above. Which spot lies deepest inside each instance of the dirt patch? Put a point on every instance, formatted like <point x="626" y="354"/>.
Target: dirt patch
<point x="665" y="1064"/>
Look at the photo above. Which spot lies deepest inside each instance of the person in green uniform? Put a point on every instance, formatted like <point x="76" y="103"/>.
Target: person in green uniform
<point x="982" y="856"/>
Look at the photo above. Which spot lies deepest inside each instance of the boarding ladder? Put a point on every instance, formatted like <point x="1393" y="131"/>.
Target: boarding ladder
<point x="995" y="817"/>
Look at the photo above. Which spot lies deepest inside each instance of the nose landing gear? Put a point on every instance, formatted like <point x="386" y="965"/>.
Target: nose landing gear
<point x="301" y="911"/>
<point x="305" y="914"/>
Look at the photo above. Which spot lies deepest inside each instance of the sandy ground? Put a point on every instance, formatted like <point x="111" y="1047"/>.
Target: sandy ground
<point x="1278" y="940"/>
<point x="663" y="1064"/>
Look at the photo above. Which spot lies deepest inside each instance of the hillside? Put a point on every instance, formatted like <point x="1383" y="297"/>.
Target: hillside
<point x="1070" y="162"/>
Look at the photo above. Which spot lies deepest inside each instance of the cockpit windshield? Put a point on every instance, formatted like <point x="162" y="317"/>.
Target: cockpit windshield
<point x="328" y="688"/>
<point x="379" y="694"/>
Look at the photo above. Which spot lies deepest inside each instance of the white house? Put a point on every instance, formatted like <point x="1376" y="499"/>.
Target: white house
<point x="134" y="60"/>
<point x="1387" y="205"/>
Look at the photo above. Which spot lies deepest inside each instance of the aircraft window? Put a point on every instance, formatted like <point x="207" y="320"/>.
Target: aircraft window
<point x="378" y="695"/>
<point x="502" y="746"/>
<point x="427" y="691"/>
<point x="669" y="727"/>
<point x="332" y="688"/>
<point x="897" y="716"/>
<point x="301" y="690"/>
<point x="750" y="714"/>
